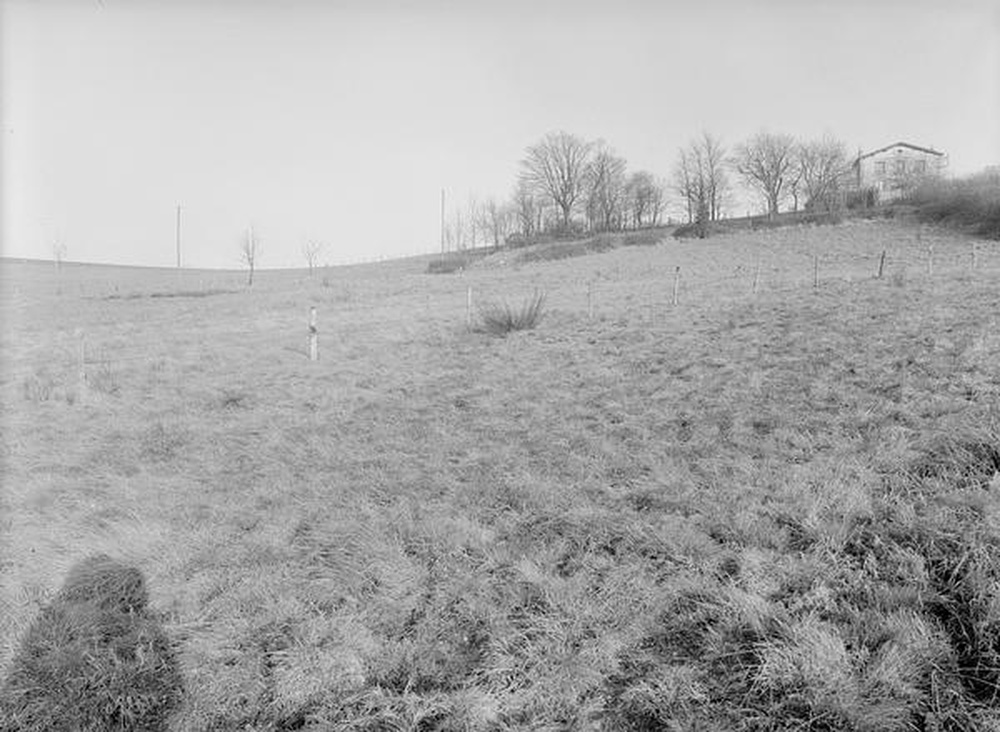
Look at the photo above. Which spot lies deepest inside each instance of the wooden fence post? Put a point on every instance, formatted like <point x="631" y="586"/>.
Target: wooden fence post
<point x="677" y="284"/>
<point x="81" y="366"/>
<point x="468" y="307"/>
<point x="815" y="271"/>
<point x="756" y="278"/>
<point x="313" y="336"/>
<point x="930" y="260"/>
<point x="972" y="262"/>
<point x="881" y="265"/>
<point x="590" y="300"/>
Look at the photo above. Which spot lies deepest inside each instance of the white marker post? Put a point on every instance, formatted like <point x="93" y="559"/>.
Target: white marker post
<point x="313" y="336"/>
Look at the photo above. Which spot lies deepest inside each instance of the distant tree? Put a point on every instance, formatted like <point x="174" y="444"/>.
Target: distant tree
<point x="605" y="189"/>
<point x="822" y="164"/>
<point x="528" y="209"/>
<point x="58" y="252"/>
<point x="700" y="179"/>
<point x="250" y="252"/>
<point x="496" y="220"/>
<point x="556" y="167"/>
<point x="767" y="163"/>
<point x="311" y="251"/>
<point x="644" y="199"/>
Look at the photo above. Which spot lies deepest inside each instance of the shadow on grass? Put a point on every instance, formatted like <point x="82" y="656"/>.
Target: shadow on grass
<point x="95" y="658"/>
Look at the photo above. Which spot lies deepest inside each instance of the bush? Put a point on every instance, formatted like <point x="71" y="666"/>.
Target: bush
<point x="448" y="265"/>
<point x="972" y="204"/>
<point x="499" y="318"/>
<point x="95" y="659"/>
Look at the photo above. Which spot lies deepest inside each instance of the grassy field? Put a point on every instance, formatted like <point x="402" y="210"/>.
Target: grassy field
<point x="770" y="506"/>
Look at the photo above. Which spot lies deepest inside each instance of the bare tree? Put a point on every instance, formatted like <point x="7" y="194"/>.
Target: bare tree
<point x="527" y="209"/>
<point x="767" y="163"/>
<point x="58" y="252"/>
<point x="556" y="167"/>
<point x="311" y="251"/>
<point x="700" y="178"/>
<point x="496" y="219"/>
<point x="605" y="189"/>
<point x="250" y="252"/>
<point x="822" y="165"/>
<point x="644" y="199"/>
<point x="713" y="166"/>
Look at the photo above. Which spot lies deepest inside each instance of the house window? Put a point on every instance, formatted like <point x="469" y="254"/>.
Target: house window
<point x="920" y="166"/>
<point x="880" y="167"/>
<point x="900" y="166"/>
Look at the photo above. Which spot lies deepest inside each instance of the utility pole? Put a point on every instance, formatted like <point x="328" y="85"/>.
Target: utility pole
<point x="442" y="222"/>
<point x="177" y="236"/>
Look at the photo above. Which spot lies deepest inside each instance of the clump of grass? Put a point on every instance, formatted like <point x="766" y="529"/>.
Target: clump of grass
<point x="94" y="659"/>
<point x="104" y="379"/>
<point x="500" y="318"/>
<point x="39" y="386"/>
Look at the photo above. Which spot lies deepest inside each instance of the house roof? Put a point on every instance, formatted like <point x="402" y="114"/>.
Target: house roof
<point x="928" y="150"/>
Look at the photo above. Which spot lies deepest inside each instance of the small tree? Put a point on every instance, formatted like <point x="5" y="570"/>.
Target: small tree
<point x="250" y="251"/>
<point x="700" y="179"/>
<point x="496" y="221"/>
<point x="822" y="164"/>
<point x="605" y="189"/>
<point x="311" y="251"/>
<point x="58" y="252"/>
<point x="767" y="163"/>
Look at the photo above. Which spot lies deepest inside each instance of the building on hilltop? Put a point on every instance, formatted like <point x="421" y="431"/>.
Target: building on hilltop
<point x="890" y="172"/>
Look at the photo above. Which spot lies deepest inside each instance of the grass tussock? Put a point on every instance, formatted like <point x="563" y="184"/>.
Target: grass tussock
<point x="501" y="318"/>
<point x="95" y="659"/>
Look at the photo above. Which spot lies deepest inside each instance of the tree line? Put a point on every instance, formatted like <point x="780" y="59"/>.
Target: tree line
<point x="569" y="185"/>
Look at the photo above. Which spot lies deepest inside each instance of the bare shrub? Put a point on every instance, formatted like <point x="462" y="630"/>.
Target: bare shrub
<point x="500" y="318"/>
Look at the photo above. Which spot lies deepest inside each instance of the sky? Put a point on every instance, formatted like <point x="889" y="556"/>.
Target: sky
<point x="341" y="122"/>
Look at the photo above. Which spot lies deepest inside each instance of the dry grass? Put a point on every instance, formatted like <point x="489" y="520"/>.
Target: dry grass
<point x="743" y="512"/>
<point x="501" y="318"/>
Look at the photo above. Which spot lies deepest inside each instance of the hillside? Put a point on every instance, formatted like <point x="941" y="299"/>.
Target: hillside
<point x="773" y="504"/>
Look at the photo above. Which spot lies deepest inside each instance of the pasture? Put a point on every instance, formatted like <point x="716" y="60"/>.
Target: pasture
<point x="774" y="504"/>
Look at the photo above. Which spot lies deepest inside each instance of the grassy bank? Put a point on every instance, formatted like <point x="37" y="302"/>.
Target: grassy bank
<point x="758" y="512"/>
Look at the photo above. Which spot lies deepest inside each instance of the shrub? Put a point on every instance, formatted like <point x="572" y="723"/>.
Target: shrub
<point x="95" y="659"/>
<point x="972" y="204"/>
<point x="449" y="264"/>
<point x="499" y="318"/>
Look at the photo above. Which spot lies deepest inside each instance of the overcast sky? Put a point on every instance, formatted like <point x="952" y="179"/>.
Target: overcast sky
<point x="342" y="121"/>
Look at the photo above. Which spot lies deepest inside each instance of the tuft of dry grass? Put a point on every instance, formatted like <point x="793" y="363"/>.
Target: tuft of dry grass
<point x="501" y="318"/>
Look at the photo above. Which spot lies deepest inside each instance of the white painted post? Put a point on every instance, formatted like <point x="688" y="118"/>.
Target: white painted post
<point x="930" y="260"/>
<point x="313" y="336"/>
<point x="468" y="307"/>
<point x="815" y="271"/>
<point x="590" y="300"/>
<point x="677" y="285"/>
<point x="756" y="278"/>
<point x="972" y="262"/>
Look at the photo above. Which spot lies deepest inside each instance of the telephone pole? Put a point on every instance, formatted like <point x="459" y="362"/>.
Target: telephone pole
<point x="177" y="236"/>
<point x="442" y="222"/>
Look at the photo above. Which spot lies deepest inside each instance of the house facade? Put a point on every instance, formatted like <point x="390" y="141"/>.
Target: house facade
<point x="893" y="170"/>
